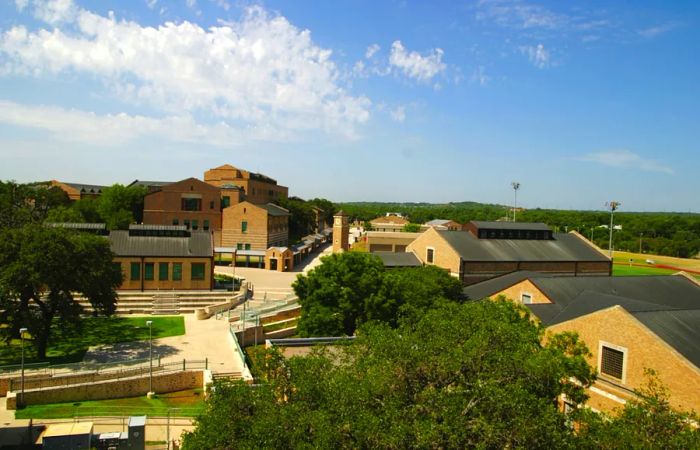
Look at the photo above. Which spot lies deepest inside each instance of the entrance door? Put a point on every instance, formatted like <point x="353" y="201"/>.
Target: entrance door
<point x="273" y="263"/>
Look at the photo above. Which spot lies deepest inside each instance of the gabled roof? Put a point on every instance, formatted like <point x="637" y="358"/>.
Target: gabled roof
<point x="495" y="285"/>
<point x="399" y="259"/>
<point x="198" y="244"/>
<point x="146" y="183"/>
<point x="561" y="248"/>
<point x="437" y="222"/>
<point x="395" y="220"/>
<point x="274" y="210"/>
<point x="87" y="188"/>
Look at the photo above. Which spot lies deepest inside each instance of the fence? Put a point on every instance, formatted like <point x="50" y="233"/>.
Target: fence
<point x="246" y="375"/>
<point x="106" y="374"/>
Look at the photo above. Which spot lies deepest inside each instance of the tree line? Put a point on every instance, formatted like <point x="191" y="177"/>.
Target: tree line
<point x="659" y="233"/>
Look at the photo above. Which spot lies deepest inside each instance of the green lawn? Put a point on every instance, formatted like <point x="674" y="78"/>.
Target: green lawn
<point x="626" y="269"/>
<point x="69" y="344"/>
<point x="188" y="403"/>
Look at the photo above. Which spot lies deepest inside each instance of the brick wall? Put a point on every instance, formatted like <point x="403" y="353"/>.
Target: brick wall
<point x="186" y="283"/>
<point x="516" y="291"/>
<point x="163" y="207"/>
<point x="256" y="233"/>
<point x="443" y="256"/>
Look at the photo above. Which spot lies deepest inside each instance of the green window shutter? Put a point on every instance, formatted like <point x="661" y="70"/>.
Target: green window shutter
<point x="163" y="271"/>
<point x="239" y="246"/>
<point x="148" y="271"/>
<point x="247" y="246"/>
<point x="195" y="224"/>
<point x="197" y="271"/>
<point x="177" y="271"/>
<point x="244" y="226"/>
<point x="176" y="222"/>
<point x="206" y="225"/>
<point x="135" y="271"/>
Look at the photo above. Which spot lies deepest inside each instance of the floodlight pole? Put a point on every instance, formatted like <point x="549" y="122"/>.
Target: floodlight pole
<point x="613" y="206"/>
<point x="149" y="324"/>
<point x="516" y="186"/>
<point x="21" y="337"/>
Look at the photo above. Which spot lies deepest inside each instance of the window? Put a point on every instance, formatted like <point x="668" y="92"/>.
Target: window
<point x="186" y="222"/>
<point x="117" y="267"/>
<point x="206" y="224"/>
<point x="197" y="271"/>
<point x="148" y="271"/>
<point x="247" y="246"/>
<point x="239" y="246"/>
<point x="244" y="226"/>
<point x="195" y="224"/>
<point x="163" y="271"/>
<point x="225" y="202"/>
<point x="191" y="204"/>
<point x="430" y="255"/>
<point x="612" y="361"/>
<point x="526" y="299"/>
<point x="135" y="271"/>
<point x="176" y="222"/>
<point x="177" y="271"/>
<point x="211" y="204"/>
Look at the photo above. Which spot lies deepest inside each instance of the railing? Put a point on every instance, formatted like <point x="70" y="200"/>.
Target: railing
<point x="246" y="375"/>
<point x="107" y="375"/>
<point x="18" y="367"/>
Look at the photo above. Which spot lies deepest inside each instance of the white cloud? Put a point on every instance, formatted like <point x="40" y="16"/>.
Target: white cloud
<point x="479" y="76"/>
<point x="191" y="3"/>
<point x="399" y="114"/>
<point x="223" y="4"/>
<point x="538" y="55"/>
<point x="259" y="72"/>
<point x="415" y="65"/>
<point x="151" y="3"/>
<point x="55" y="12"/>
<point x="21" y="4"/>
<point x="516" y="14"/>
<point x="652" y="32"/>
<point x="371" y="50"/>
<point x="626" y="159"/>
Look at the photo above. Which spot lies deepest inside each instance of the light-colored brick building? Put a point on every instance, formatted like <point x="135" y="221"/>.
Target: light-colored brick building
<point x="256" y="188"/>
<point x="77" y="191"/>
<point x="190" y="202"/>
<point x="390" y="222"/>
<point x="442" y="224"/>
<point x="630" y="324"/>
<point x="247" y="226"/>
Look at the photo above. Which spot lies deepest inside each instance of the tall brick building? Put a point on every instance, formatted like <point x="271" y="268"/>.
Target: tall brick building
<point x="256" y="188"/>
<point x="190" y="202"/>
<point x="247" y="226"/>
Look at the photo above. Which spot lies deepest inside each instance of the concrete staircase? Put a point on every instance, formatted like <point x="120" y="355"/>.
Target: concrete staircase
<point x="163" y="302"/>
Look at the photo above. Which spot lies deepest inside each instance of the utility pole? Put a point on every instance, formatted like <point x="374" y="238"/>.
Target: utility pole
<point x="516" y="186"/>
<point x="640" y="242"/>
<point x="612" y="206"/>
<point x="22" y="331"/>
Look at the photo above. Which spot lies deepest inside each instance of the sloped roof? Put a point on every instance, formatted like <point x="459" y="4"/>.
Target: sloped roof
<point x="89" y="188"/>
<point x="198" y="244"/>
<point x="437" y="222"/>
<point x="493" y="225"/>
<point x="395" y="220"/>
<point x="563" y="247"/>
<point x="400" y="259"/>
<point x="146" y="183"/>
<point x="495" y="285"/>
<point x="274" y="210"/>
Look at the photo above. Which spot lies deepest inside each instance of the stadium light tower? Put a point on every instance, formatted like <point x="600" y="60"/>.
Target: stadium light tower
<point x="516" y="186"/>
<point x="612" y="206"/>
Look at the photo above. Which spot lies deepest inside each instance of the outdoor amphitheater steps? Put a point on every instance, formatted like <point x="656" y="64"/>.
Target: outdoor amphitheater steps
<point x="163" y="302"/>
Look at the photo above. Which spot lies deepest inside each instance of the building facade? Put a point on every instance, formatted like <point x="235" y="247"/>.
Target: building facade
<point x="190" y="203"/>
<point x="247" y="226"/>
<point x="256" y="188"/>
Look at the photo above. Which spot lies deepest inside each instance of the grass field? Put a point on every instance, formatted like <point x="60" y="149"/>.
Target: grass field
<point x="641" y="258"/>
<point x="70" y="344"/>
<point x="184" y="404"/>
<point x="626" y="270"/>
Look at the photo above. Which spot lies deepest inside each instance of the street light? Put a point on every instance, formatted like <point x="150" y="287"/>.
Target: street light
<point x="516" y="186"/>
<point x="149" y="324"/>
<point x="21" y="337"/>
<point x="612" y="206"/>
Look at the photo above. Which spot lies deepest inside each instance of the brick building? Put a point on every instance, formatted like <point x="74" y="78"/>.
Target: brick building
<point x="390" y="222"/>
<point x="491" y="249"/>
<point x="192" y="203"/>
<point x="628" y="323"/>
<point x="155" y="257"/>
<point x="256" y="188"/>
<point x="247" y="226"/>
<point x="442" y="224"/>
<point x="78" y="191"/>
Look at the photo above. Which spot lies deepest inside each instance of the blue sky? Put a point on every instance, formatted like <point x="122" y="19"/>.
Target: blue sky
<point x="581" y="102"/>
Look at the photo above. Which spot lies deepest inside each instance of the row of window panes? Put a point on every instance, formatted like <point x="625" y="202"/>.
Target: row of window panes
<point x="240" y="246"/>
<point x="197" y="271"/>
<point x="195" y="204"/>
<point x="195" y="223"/>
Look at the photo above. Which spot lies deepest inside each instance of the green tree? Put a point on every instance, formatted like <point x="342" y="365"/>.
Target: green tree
<point x="411" y="228"/>
<point x="40" y="271"/>
<point x="301" y="221"/>
<point x="21" y="204"/>
<point x="462" y="376"/>
<point x="120" y="205"/>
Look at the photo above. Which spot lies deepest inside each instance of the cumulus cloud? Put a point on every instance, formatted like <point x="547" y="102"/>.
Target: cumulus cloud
<point x="399" y="114"/>
<point x="258" y="72"/>
<point x="626" y="159"/>
<point x="21" y="4"/>
<point x="415" y="65"/>
<point x="538" y="55"/>
<point x="371" y="50"/>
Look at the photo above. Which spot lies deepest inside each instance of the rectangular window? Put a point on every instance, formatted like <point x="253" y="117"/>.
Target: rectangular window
<point x="612" y="362"/>
<point x="239" y="246"/>
<point x="206" y="225"/>
<point x="225" y="201"/>
<point x="186" y="222"/>
<point x="526" y="299"/>
<point x="177" y="271"/>
<point x="135" y="271"/>
<point x="176" y="222"/>
<point x="211" y="204"/>
<point x="191" y="204"/>
<point x="163" y="271"/>
<point x="195" y="224"/>
<point x="197" y="271"/>
<point x="430" y="254"/>
<point x="148" y="271"/>
<point x="244" y="226"/>
<point x="247" y="246"/>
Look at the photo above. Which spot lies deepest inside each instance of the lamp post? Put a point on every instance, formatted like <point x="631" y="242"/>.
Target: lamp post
<point x="21" y="337"/>
<point x="516" y="186"/>
<point x="612" y="206"/>
<point x="640" y="242"/>
<point x="149" y="324"/>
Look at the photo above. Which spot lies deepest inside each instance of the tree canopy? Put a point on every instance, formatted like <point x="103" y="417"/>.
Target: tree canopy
<point x="474" y="375"/>
<point x="40" y="271"/>
<point x="351" y="288"/>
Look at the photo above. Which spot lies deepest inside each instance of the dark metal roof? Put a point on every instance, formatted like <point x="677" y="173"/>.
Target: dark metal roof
<point x="494" y="285"/>
<point x="88" y="188"/>
<point x="527" y="226"/>
<point x="403" y="259"/>
<point x="146" y="183"/>
<point x="680" y="329"/>
<point x="150" y="227"/>
<point x="563" y="247"/>
<point x="198" y="244"/>
<point x="275" y="210"/>
<point x="76" y="226"/>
